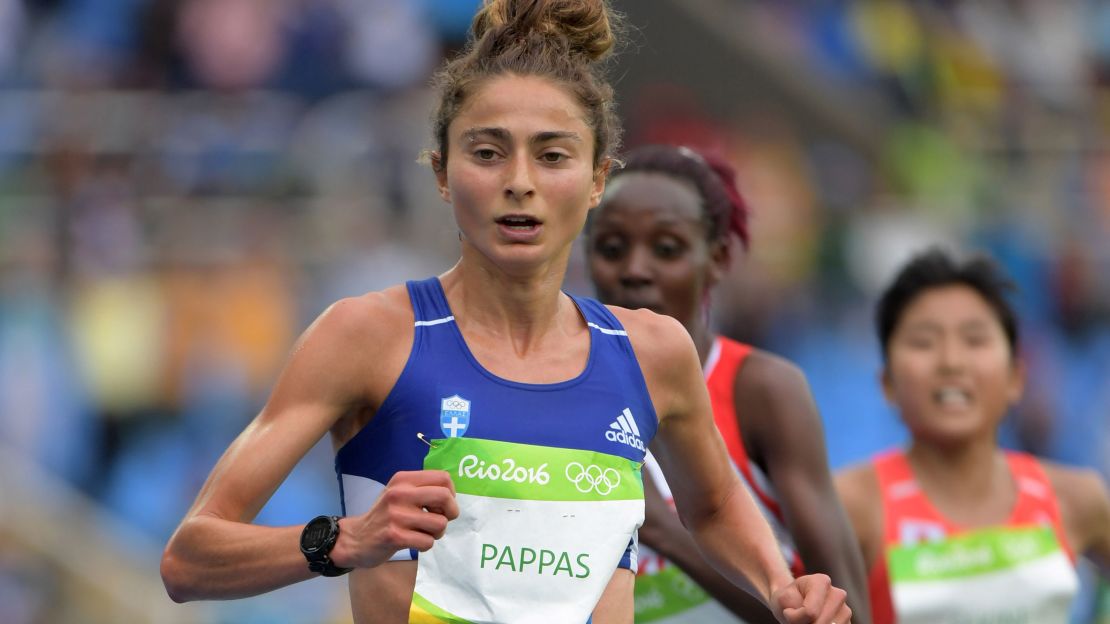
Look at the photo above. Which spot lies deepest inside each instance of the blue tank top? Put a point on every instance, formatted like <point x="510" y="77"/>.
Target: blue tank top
<point x="444" y="392"/>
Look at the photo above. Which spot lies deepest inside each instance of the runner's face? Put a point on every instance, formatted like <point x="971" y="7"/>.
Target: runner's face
<point x="950" y="371"/>
<point x="648" y="247"/>
<point x="519" y="171"/>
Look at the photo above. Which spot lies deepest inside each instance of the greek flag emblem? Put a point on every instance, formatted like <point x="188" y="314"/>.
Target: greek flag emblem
<point x="454" y="416"/>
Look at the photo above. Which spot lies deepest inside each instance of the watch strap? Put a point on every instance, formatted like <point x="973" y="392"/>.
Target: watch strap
<point x="319" y="559"/>
<point x="326" y="567"/>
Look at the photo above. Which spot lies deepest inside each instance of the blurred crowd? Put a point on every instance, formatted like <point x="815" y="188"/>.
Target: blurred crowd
<point x="993" y="137"/>
<point x="186" y="184"/>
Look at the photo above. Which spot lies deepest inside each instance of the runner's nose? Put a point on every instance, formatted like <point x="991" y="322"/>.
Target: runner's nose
<point x="637" y="268"/>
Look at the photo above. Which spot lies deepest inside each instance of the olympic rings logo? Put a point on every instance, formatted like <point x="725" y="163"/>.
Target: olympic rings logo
<point x="593" y="478"/>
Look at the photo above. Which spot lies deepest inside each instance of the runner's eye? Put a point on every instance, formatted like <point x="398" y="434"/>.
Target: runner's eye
<point x="668" y="248"/>
<point x="977" y="339"/>
<point x="919" y="342"/>
<point x="610" y="248"/>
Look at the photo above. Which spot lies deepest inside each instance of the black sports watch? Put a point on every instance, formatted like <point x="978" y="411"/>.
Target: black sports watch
<point x="317" y="540"/>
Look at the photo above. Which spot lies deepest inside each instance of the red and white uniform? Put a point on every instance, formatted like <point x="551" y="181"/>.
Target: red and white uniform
<point x="656" y="599"/>
<point x="932" y="571"/>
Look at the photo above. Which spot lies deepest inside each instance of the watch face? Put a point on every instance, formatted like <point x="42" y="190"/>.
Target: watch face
<point x="316" y="534"/>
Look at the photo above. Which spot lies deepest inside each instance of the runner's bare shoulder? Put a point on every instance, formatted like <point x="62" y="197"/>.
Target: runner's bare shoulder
<point x="657" y="339"/>
<point x="365" y="339"/>
<point x="1084" y="501"/>
<point x="667" y="358"/>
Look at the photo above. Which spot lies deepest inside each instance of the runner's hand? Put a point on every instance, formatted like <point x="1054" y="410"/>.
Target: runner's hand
<point x="811" y="600"/>
<point x="412" y="512"/>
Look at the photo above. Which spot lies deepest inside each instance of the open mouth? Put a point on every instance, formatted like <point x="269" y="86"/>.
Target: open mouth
<point x="952" y="397"/>
<point x="519" y="223"/>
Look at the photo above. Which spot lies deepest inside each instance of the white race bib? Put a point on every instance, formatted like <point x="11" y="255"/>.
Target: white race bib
<point x="1012" y="575"/>
<point x="539" y="533"/>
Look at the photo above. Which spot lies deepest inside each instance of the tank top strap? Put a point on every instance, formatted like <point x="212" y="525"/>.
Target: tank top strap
<point x="1031" y="479"/>
<point x="1037" y="502"/>
<point x="721" y="367"/>
<point x="898" y="492"/>
<point x="598" y="315"/>
<point x="893" y="472"/>
<point x="600" y="319"/>
<point x="610" y="347"/>
<point x="908" y="516"/>
<point x="429" y="304"/>
<point x="729" y="357"/>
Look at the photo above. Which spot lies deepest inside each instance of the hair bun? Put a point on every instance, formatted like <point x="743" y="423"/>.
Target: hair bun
<point x="585" y="25"/>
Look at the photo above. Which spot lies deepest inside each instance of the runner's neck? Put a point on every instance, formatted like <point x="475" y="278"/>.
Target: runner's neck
<point x="522" y="311"/>
<point x="970" y="485"/>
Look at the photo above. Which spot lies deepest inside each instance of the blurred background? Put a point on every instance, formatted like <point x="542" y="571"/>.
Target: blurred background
<point x="186" y="184"/>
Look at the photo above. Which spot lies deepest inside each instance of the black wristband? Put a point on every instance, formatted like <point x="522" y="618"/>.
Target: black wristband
<point x="327" y="568"/>
<point x="317" y="540"/>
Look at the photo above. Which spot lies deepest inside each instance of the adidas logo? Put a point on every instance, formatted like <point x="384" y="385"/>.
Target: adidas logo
<point x="625" y="431"/>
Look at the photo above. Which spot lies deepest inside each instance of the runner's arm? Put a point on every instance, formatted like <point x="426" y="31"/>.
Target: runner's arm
<point x="782" y="427"/>
<point x="713" y="504"/>
<point x="663" y="531"/>
<point x="1099" y="552"/>
<point x="216" y="552"/>
<point x="1085" y="505"/>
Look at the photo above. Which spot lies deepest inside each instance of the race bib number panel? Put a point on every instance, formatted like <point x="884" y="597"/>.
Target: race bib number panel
<point x="1013" y="575"/>
<point x="539" y="533"/>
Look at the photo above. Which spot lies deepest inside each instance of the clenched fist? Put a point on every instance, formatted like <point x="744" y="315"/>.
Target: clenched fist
<point x="412" y="512"/>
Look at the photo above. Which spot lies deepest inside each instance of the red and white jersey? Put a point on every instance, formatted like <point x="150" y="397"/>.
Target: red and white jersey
<point x="932" y="570"/>
<point x="721" y="367"/>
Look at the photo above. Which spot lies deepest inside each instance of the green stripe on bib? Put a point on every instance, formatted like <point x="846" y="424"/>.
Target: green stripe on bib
<point x="538" y="473"/>
<point x="667" y="592"/>
<point x="422" y="611"/>
<point x="971" y="554"/>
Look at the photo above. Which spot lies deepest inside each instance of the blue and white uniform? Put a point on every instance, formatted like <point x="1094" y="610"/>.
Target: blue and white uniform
<point x="445" y="393"/>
